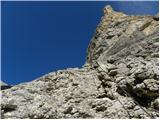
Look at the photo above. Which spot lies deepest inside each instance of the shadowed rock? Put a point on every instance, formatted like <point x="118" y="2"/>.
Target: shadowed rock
<point x="4" y="85"/>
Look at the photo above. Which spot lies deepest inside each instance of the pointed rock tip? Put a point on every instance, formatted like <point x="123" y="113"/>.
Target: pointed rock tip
<point x="108" y="9"/>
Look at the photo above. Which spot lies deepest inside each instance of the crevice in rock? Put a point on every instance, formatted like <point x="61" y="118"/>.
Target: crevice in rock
<point x="5" y="87"/>
<point x="8" y="109"/>
<point x="141" y="96"/>
<point x="138" y="80"/>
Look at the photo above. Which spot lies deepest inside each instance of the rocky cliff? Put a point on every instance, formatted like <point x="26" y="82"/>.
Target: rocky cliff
<point x="119" y="79"/>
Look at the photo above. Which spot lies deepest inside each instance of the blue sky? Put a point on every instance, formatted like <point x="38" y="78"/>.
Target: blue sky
<point x="41" y="37"/>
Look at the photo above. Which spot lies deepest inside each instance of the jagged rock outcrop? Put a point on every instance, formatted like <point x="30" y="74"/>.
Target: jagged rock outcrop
<point x="119" y="79"/>
<point x="4" y="85"/>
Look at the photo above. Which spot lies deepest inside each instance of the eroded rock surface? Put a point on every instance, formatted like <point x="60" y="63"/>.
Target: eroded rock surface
<point x="119" y="79"/>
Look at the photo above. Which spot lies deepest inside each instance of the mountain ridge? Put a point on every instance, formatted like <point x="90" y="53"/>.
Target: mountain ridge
<point x="118" y="80"/>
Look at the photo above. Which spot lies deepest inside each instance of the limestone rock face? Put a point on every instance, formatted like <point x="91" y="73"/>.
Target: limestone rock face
<point x="119" y="79"/>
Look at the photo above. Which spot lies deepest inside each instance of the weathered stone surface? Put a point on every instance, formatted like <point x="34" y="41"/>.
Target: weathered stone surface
<point x="119" y="79"/>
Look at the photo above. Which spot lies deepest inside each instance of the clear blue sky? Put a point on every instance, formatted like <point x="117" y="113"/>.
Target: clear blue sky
<point x="41" y="37"/>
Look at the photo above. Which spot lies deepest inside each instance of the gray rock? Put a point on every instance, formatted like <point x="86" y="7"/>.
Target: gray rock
<point x="155" y="104"/>
<point x="119" y="79"/>
<point x="113" y="72"/>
